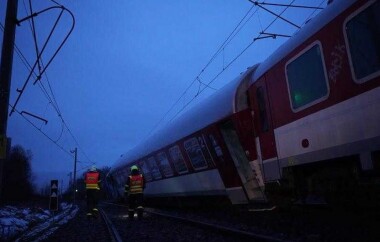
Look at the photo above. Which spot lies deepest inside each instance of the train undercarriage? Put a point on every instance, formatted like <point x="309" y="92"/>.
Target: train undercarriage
<point x="340" y="182"/>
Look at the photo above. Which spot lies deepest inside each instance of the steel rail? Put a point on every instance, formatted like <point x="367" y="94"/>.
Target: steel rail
<point x="214" y="227"/>
<point x="115" y="237"/>
<point x="220" y="228"/>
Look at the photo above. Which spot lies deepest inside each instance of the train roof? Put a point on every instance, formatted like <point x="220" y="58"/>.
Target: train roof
<point x="216" y="107"/>
<point x="311" y="27"/>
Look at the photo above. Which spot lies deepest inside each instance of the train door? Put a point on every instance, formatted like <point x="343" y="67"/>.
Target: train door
<point x="265" y="139"/>
<point x="247" y="175"/>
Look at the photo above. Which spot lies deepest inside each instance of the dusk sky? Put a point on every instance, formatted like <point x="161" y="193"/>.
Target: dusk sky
<point x="123" y="67"/>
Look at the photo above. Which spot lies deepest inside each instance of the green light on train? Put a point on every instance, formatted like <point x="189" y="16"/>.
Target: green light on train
<point x="297" y="98"/>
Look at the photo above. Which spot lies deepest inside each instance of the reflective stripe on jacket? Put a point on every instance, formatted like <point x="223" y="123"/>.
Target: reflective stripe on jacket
<point x="136" y="184"/>
<point x="92" y="180"/>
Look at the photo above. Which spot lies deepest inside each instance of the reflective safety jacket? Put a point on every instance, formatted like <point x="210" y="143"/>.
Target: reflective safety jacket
<point x="135" y="184"/>
<point x="92" y="180"/>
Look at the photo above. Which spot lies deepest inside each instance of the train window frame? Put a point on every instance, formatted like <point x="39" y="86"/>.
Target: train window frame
<point x="212" y="163"/>
<point x="173" y="160"/>
<point x="154" y="168"/>
<point x="126" y="172"/>
<point x="196" y="143"/>
<point x="348" y="48"/>
<point x="142" y="165"/>
<point x="294" y="58"/>
<point x="168" y="164"/>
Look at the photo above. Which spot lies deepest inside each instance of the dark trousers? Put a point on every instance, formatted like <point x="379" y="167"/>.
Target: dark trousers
<point x="92" y="199"/>
<point x="135" y="201"/>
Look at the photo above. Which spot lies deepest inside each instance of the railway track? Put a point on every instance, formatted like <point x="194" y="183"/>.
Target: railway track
<point x="82" y="228"/>
<point x="113" y="233"/>
<point x="227" y="225"/>
<point x="223" y="232"/>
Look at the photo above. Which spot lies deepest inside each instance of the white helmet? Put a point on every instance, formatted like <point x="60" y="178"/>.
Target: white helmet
<point x="93" y="168"/>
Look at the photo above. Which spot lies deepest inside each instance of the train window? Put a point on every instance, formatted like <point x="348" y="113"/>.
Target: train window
<point x="145" y="170"/>
<point x="217" y="149"/>
<point x="262" y="109"/>
<point x="118" y="179"/>
<point x="195" y="154"/>
<point x="163" y="163"/>
<point x="179" y="162"/>
<point x="363" y="36"/>
<point x="206" y="151"/>
<point x="306" y="78"/>
<point x="152" y="165"/>
<point x="125" y="173"/>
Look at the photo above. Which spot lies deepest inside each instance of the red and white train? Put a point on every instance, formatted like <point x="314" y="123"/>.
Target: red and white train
<point x="305" y="121"/>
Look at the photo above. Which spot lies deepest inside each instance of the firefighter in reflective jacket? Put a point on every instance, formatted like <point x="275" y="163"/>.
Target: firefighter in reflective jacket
<point x="92" y="180"/>
<point x="134" y="189"/>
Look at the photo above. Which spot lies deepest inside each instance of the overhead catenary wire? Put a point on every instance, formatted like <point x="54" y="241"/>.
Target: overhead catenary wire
<point x="245" y="49"/>
<point x="278" y="16"/>
<point x="47" y="136"/>
<point x="227" y="41"/>
<point x="29" y="67"/>
<point x="52" y="100"/>
<point x="219" y="50"/>
<point x="286" y="5"/>
<point x="33" y="28"/>
<point x="62" y="120"/>
<point x="309" y="17"/>
<point x="231" y="62"/>
<point x="43" y="48"/>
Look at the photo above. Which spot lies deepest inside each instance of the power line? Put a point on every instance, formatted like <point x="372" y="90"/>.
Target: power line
<point x="286" y="5"/>
<point x="231" y="62"/>
<point x="29" y="67"/>
<point x="52" y="99"/>
<point x="309" y="17"/>
<point x="219" y="50"/>
<point x="47" y="136"/>
<point x="278" y="16"/>
<point x="63" y="9"/>
<point x="225" y="43"/>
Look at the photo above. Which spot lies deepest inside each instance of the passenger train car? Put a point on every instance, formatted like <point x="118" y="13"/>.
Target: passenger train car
<point x="303" y="123"/>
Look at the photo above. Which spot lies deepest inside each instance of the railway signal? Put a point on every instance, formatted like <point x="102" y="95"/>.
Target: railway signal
<point x="53" y="204"/>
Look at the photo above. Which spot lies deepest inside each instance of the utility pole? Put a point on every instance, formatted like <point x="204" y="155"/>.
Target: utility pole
<point x="70" y="174"/>
<point x="75" y="151"/>
<point x="5" y="79"/>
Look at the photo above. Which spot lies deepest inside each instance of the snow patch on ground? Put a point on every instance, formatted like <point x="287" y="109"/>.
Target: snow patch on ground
<point x="28" y="222"/>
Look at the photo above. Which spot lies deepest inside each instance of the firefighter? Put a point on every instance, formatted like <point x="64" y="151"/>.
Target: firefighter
<point x="92" y="180"/>
<point x="134" y="189"/>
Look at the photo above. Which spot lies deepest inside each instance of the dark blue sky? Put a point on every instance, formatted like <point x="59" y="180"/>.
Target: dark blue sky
<point x="122" y="68"/>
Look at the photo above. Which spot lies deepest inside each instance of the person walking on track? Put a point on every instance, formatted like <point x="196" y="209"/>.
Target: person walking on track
<point x="92" y="180"/>
<point x="134" y="189"/>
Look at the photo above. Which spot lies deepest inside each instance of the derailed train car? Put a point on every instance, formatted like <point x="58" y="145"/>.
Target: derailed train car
<point x="202" y="153"/>
<point x="304" y="123"/>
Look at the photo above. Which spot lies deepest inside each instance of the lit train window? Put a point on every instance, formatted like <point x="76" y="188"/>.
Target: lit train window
<point x="153" y="167"/>
<point x="163" y="163"/>
<point x="145" y="170"/>
<point x="179" y="162"/>
<point x="306" y="78"/>
<point x="363" y="36"/>
<point x="195" y="153"/>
